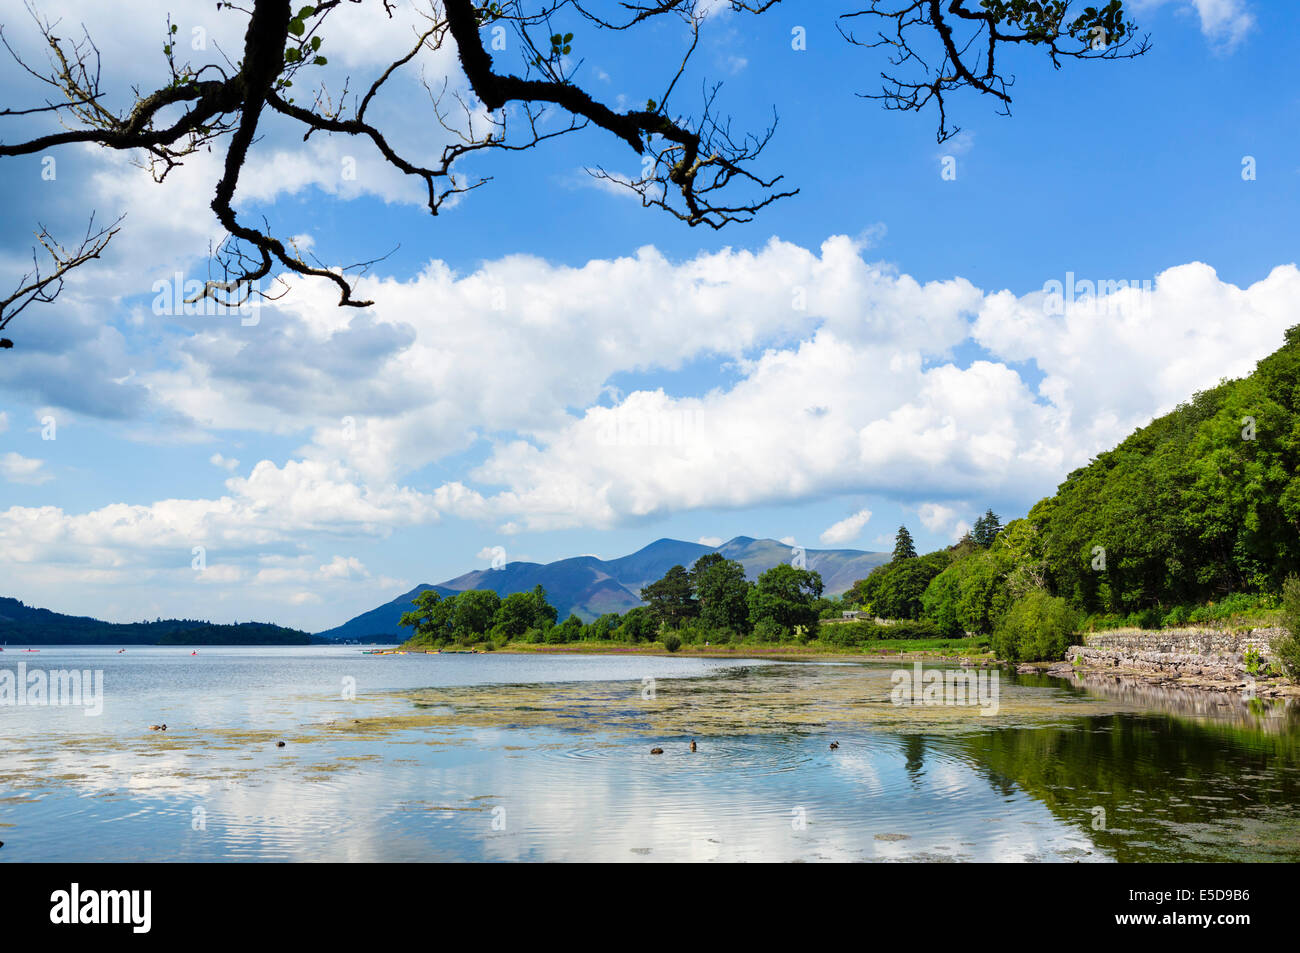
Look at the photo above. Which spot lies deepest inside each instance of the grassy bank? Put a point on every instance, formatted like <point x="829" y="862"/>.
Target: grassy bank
<point x="1234" y="613"/>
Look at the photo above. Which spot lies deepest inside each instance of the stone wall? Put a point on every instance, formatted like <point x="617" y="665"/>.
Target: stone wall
<point x="1206" y="653"/>
<point x="1174" y="664"/>
<point x="1190" y="641"/>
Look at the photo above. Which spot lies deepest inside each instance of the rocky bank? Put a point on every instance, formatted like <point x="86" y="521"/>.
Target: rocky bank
<point x="1204" y="658"/>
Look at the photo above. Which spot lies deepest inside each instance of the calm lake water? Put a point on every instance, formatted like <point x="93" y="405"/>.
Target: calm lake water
<point x="515" y="757"/>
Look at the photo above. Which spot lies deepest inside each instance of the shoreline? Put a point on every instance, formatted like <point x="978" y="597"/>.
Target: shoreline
<point x="775" y="653"/>
<point x="1208" y="678"/>
<point x="1263" y="687"/>
<point x="1208" y="659"/>
<point x="1205" y="673"/>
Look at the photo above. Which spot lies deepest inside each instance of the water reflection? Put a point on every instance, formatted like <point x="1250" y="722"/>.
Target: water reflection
<point x="454" y="762"/>
<point x="525" y="794"/>
<point x="1157" y="787"/>
<point x="1273" y="715"/>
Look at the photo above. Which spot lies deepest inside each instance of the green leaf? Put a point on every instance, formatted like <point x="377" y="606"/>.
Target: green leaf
<point x="297" y="27"/>
<point x="305" y="12"/>
<point x="315" y="43"/>
<point x="292" y="55"/>
<point x="174" y="28"/>
<point x="320" y="61"/>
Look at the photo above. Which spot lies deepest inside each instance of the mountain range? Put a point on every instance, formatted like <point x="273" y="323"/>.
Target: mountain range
<point x="589" y="587"/>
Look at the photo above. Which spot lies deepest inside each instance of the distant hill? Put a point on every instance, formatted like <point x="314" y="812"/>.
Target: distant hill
<point x="26" y="625"/>
<point x="589" y="587"/>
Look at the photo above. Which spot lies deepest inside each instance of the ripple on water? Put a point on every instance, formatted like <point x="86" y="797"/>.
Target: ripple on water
<point x="871" y="785"/>
<point x="750" y="756"/>
<point x="420" y="774"/>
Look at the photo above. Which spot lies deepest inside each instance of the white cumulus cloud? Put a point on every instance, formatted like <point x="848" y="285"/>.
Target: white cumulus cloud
<point x="15" y="468"/>
<point x="847" y="529"/>
<point x="1224" y="22"/>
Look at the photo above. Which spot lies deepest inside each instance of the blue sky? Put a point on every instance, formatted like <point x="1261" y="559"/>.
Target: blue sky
<point x="552" y="369"/>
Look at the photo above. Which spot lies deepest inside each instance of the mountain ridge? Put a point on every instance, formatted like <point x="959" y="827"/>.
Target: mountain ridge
<point x="589" y="586"/>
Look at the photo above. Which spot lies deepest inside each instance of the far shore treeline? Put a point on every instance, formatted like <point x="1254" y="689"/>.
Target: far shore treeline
<point x="1193" y="519"/>
<point x="26" y="625"/>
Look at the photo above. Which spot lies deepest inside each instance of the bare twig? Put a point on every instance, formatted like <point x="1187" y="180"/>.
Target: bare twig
<point x="44" y="281"/>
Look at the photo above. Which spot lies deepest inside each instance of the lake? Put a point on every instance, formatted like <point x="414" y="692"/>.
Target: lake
<point x="548" y="757"/>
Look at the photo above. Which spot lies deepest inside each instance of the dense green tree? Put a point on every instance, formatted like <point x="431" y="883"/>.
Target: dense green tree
<point x="432" y="618"/>
<point x="986" y="529"/>
<point x="1036" y="628"/>
<point x="521" y="611"/>
<point x="671" y="600"/>
<point x="904" y="548"/>
<point x="545" y="614"/>
<point x="768" y="629"/>
<point x="974" y="591"/>
<point x="1200" y="503"/>
<point x="603" y="628"/>
<point x="475" y="612"/>
<point x="722" y="592"/>
<point x="785" y="594"/>
<point x="894" y="590"/>
<point x="639" y="625"/>
<point x="517" y="614"/>
<point x="570" y="630"/>
<point x="940" y="601"/>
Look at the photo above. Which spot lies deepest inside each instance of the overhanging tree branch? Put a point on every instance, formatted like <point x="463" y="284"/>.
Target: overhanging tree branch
<point x="43" y="282"/>
<point x="966" y="42"/>
<point x="693" y="167"/>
